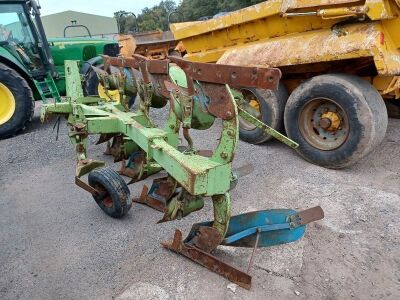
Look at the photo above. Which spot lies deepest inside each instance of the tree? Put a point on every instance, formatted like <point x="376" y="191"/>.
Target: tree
<point x="156" y="18"/>
<point x="193" y="10"/>
<point x="126" y="21"/>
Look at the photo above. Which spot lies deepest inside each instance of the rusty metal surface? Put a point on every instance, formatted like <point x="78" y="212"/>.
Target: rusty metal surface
<point x="307" y="216"/>
<point x="207" y="73"/>
<point x="158" y="81"/>
<point x="163" y="188"/>
<point x="120" y="62"/>
<point x="206" y="239"/>
<point x="289" y="5"/>
<point x="145" y="200"/>
<point x="235" y="76"/>
<point x="105" y="137"/>
<point x="154" y="44"/>
<point x="145" y="72"/>
<point x="153" y="37"/>
<point x="135" y="168"/>
<point x="83" y="185"/>
<point x="208" y="261"/>
<point x="114" y="148"/>
<point x="158" y="66"/>
<point x="344" y="42"/>
<point x="151" y="71"/>
<point x="220" y="105"/>
<point x="159" y="194"/>
<point x="172" y="87"/>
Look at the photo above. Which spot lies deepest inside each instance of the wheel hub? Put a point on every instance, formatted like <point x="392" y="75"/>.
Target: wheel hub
<point x="330" y="121"/>
<point x="108" y="202"/>
<point x="7" y="104"/>
<point x="324" y="124"/>
<point x="110" y="95"/>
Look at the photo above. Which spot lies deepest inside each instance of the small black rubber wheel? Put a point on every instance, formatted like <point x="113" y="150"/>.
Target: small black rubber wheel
<point x="16" y="102"/>
<point x="270" y="106"/>
<point x="91" y="85"/>
<point x="115" y="199"/>
<point x="337" y="119"/>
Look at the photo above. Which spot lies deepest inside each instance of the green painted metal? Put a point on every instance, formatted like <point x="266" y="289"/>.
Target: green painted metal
<point x="81" y="49"/>
<point x="222" y="213"/>
<point x="47" y="89"/>
<point x="10" y="59"/>
<point x="248" y="114"/>
<point x="73" y="80"/>
<point x="268" y="130"/>
<point x="181" y="206"/>
<point x="198" y="175"/>
<point x="178" y="76"/>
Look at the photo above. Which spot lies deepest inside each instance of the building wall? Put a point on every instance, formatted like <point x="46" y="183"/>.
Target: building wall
<point x="98" y="25"/>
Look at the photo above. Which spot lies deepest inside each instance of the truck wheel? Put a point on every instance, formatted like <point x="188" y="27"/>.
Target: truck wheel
<point x="115" y="199"/>
<point x="269" y="106"/>
<point x="16" y="102"/>
<point x="337" y="119"/>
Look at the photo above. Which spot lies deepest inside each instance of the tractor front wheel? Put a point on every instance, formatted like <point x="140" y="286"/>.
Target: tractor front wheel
<point x="16" y="102"/>
<point x="337" y="119"/>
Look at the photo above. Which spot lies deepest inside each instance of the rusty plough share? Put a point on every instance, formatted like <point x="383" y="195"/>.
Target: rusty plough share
<point x="198" y="94"/>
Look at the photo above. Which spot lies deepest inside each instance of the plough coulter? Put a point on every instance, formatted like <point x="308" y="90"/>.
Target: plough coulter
<point x="198" y="94"/>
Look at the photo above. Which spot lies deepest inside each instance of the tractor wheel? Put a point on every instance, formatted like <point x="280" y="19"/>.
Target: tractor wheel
<point x="337" y="119"/>
<point x="92" y="87"/>
<point x="114" y="199"/>
<point x="270" y="106"/>
<point x="16" y="102"/>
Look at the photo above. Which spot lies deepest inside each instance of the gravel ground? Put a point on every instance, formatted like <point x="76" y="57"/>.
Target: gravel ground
<point x="57" y="244"/>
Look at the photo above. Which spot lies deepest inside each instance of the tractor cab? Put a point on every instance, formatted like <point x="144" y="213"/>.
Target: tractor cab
<point x="32" y="67"/>
<point x="22" y="36"/>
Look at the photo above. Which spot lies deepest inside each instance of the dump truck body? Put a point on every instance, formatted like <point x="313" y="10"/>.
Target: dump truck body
<point x="324" y="48"/>
<point x="296" y="36"/>
<point x="152" y="44"/>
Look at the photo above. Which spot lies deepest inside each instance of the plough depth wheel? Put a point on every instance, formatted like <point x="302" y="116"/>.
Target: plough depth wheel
<point x="113" y="195"/>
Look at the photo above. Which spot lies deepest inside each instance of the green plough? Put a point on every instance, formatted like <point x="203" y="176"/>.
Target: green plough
<point x="198" y="94"/>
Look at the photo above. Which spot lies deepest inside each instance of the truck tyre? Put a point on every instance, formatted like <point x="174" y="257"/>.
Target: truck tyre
<point x="16" y="102"/>
<point x="270" y="105"/>
<point x="114" y="198"/>
<point x="337" y="119"/>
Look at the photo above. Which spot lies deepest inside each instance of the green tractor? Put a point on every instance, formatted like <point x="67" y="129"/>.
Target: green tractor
<point x="32" y="67"/>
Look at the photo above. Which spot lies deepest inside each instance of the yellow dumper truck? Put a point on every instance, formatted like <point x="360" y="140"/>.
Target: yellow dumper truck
<point x="339" y="60"/>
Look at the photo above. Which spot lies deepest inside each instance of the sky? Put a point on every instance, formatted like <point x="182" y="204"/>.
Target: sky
<point x="96" y="7"/>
